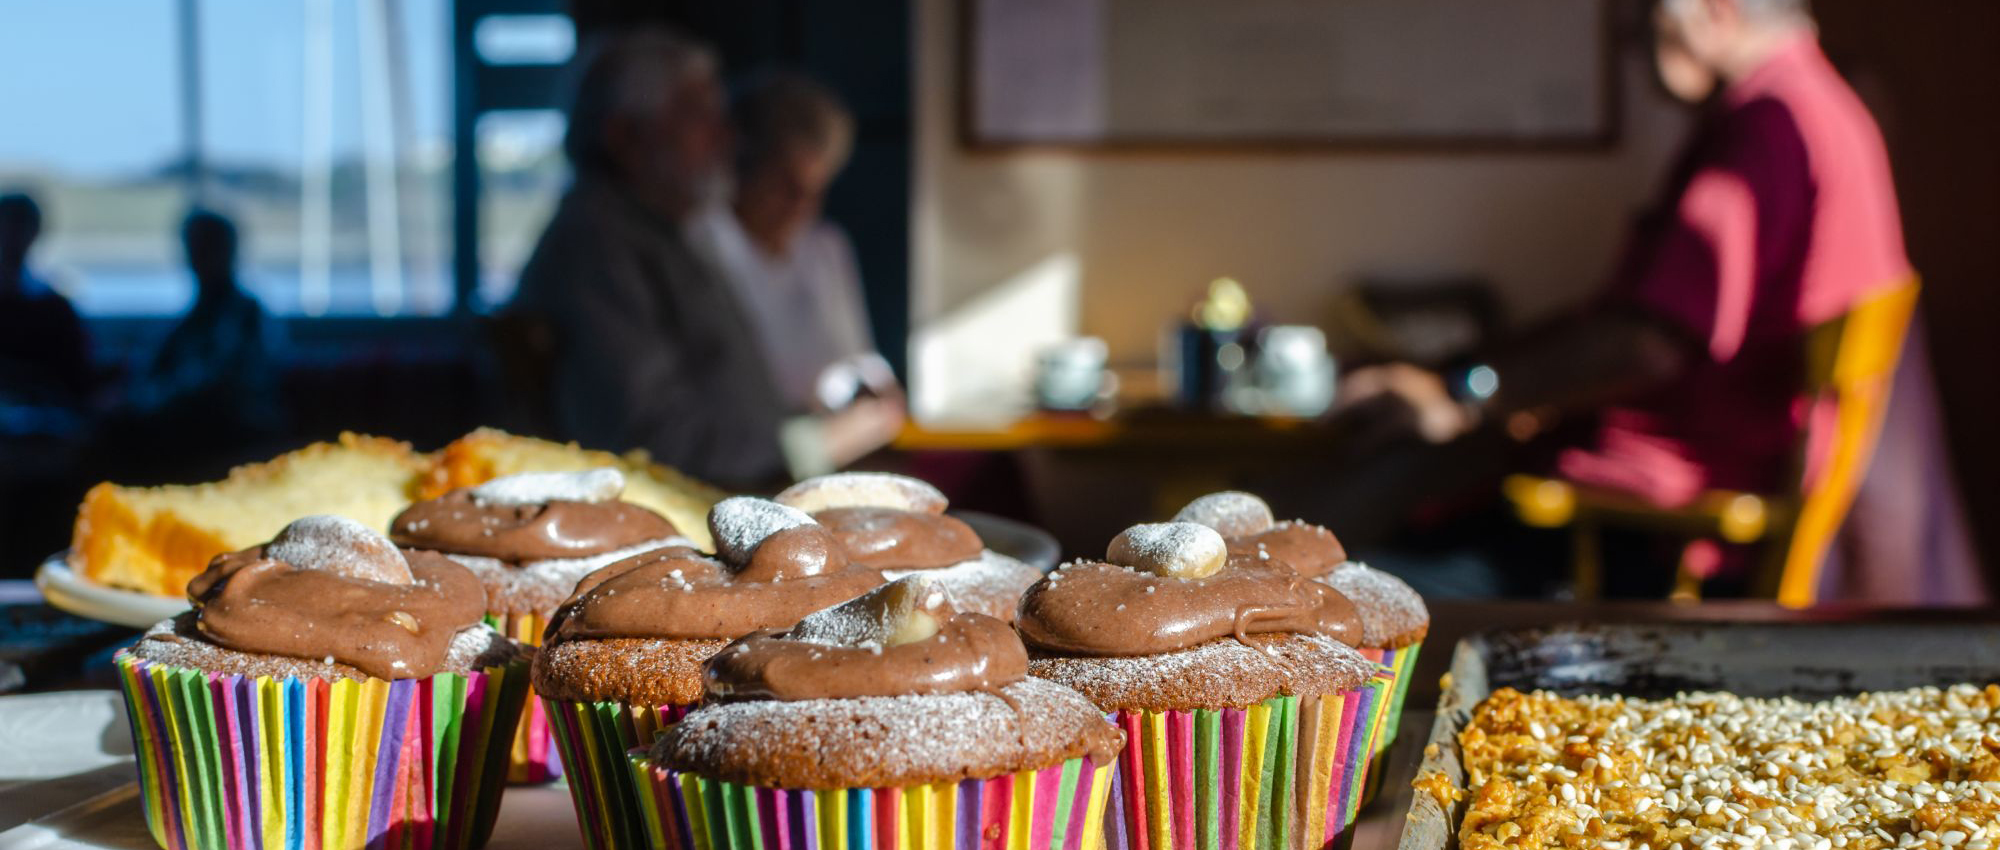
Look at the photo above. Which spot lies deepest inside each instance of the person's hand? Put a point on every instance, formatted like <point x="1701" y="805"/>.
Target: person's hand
<point x="862" y="427"/>
<point x="1432" y="412"/>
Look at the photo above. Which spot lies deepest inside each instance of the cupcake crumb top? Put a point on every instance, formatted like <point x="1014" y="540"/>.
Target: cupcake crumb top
<point x="1393" y="615"/>
<point x="178" y="643"/>
<point x="885" y="742"/>
<point x="1224" y="673"/>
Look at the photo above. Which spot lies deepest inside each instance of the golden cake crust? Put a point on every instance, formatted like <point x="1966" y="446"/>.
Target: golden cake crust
<point x="154" y="539"/>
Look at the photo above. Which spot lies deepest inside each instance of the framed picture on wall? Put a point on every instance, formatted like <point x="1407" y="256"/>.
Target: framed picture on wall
<point x="1392" y="74"/>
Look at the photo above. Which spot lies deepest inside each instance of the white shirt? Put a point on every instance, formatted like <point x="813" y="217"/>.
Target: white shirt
<point x="805" y="307"/>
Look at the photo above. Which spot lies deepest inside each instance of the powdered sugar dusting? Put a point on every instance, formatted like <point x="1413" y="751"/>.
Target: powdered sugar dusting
<point x="537" y="587"/>
<point x="1172" y="549"/>
<point x="863" y="490"/>
<point x="991" y="584"/>
<point x="339" y="545"/>
<point x="178" y="643"/>
<point x="739" y="523"/>
<point x="538" y="488"/>
<point x="1224" y="673"/>
<point x="1232" y="513"/>
<point x="888" y="741"/>
<point x="1392" y="613"/>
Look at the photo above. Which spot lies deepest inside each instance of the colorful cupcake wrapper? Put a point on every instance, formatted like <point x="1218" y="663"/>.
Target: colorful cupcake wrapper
<point x="1055" y="808"/>
<point x="533" y="759"/>
<point x="1286" y="772"/>
<point x="241" y="763"/>
<point x="593" y="739"/>
<point x="1398" y="665"/>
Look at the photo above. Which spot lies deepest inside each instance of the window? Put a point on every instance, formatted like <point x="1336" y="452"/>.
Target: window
<point x="323" y="131"/>
<point x="522" y="172"/>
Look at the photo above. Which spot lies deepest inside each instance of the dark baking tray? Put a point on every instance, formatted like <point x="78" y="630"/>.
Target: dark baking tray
<point x="1808" y="661"/>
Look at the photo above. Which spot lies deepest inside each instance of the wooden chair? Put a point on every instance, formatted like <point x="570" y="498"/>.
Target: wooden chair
<point x="1851" y="359"/>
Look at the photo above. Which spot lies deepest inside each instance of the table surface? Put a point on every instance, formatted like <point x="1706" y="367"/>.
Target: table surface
<point x="99" y="809"/>
<point x="1146" y="428"/>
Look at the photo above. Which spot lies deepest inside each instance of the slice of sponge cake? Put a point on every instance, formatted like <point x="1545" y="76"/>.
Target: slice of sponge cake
<point x="489" y="453"/>
<point x="154" y="539"/>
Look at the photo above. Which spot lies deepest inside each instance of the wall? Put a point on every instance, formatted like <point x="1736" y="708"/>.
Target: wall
<point x="1147" y="231"/>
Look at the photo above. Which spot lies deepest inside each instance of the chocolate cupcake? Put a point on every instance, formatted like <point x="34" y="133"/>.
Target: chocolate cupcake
<point x="896" y="524"/>
<point x="1394" y="619"/>
<point x="623" y="657"/>
<point x="327" y="690"/>
<point x="1234" y="679"/>
<point x="529" y="538"/>
<point x="893" y="719"/>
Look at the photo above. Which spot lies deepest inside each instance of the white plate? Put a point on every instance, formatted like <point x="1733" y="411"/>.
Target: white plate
<point x="50" y="735"/>
<point x="63" y="588"/>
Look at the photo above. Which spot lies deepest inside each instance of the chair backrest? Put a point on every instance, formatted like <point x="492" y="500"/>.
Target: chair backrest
<point x="1851" y="359"/>
<point x="524" y="347"/>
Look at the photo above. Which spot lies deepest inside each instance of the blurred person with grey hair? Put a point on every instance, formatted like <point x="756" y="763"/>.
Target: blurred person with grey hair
<point x="793" y="269"/>
<point x="649" y="346"/>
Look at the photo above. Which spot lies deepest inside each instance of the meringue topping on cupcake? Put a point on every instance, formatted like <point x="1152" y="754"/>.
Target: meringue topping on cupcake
<point x="897" y="524"/>
<point x="1392" y="614"/>
<point x="637" y="631"/>
<point x="1169" y="621"/>
<point x="530" y="537"/>
<point x="895" y="687"/>
<point x="329" y="597"/>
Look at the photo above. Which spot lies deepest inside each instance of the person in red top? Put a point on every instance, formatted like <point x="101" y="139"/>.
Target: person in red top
<point x="1780" y="214"/>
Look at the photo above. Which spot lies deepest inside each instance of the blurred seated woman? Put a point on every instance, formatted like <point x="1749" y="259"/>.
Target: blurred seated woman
<point x="793" y="270"/>
<point x="1780" y="215"/>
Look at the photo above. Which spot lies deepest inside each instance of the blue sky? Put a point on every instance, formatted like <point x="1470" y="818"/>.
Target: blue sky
<point x="91" y="86"/>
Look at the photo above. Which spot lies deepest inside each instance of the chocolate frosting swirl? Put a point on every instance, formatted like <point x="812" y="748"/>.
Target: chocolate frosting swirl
<point x="1099" y="609"/>
<point x="457" y="524"/>
<point x="893" y="539"/>
<point x="1309" y="549"/>
<point x="252" y="603"/>
<point x="970" y="652"/>
<point x="801" y="551"/>
<point x="678" y="593"/>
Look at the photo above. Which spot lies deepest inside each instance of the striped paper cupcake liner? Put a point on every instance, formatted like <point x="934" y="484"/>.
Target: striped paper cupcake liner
<point x="533" y="759"/>
<point x="238" y="762"/>
<point x="1396" y="668"/>
<point x="593" y="739"/>
<point x="1286" y="772"/>
<point x="1055" y="808"/>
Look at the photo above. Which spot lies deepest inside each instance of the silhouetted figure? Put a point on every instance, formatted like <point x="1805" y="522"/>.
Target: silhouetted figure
<point x="44" y="352"/>
<point x="214" y="371"/>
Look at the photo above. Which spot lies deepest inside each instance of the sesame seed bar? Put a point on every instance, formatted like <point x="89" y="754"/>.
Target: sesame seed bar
<point x="1715" y="771"/>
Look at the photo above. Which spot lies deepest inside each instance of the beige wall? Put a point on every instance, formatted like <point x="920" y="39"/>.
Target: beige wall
<point x="1147" y="231"/>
